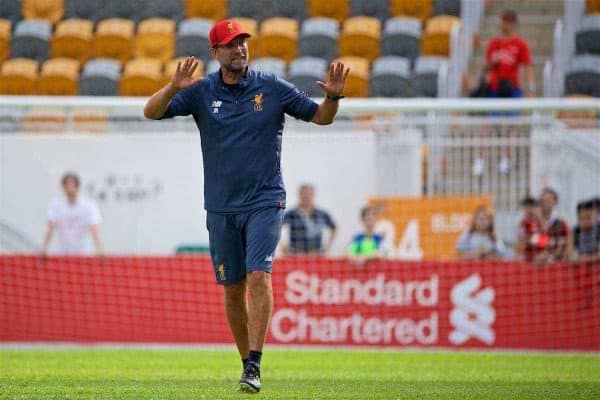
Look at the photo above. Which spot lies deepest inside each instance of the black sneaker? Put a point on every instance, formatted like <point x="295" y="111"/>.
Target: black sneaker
<point x="250" y="381"/>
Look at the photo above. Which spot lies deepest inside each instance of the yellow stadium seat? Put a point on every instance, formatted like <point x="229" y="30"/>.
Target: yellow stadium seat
<point x="211" y="9"/>
<point x="48" y="10"/>
<point x="18" y="76"/>
<point x="360" y="37"/>
<point x="141" y="77"/>
<point x="357" y="83"/>
<point x="59" y="76"/>
<point x="44" y="120"/>
<point x="436" y="39"/>
<point x="336" y="9"/>
<point x="279" y="38"/>
<point x="155" y="39"/>
<point x="114" y="39"/>
<point x="420" y="9"/>
<point x="592" y="6"/>
<point x="90" y="121"/>
<point x="5" y="29"/>
<point x="251" y="26"/>
<point x="171" y="67"/>
<point x="73" y="39"/>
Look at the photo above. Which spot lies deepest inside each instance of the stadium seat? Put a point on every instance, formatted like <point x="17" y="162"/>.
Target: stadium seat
<point x="59" y="76"/>
<point x="73" y="39"/>
<point x="279" y="38"/>
<point x="305" y="71"/>
<point x="47" y="10"/>
<point x="583" y="76"/>
<point x="447" y="7"/>
<point x="30" y="40"/>
<point x="336" y="9"/>
<point x="275" y="66"/>
<point x="425" y="79"/>
<point x="420" y="9"/>
<point x="592" y="6"/>
<point x="169" y="9"/>
<point x="251" y="26"/>
<point x="256" y="9"/>
<point x="212" y="66"/>
<point x="390" y="77"/>
<point x="85" y="9"/>
<point x="18" y="76"/>
<point x="587" y="39"/>
<point x="10" y="10"/>
<point x="100" y="77"/>
<point x="114" y="39"/>
<point x="436" y="39"/>
<point x="5" y="30"/>
<point x="90" y="121"/>
<point x="38" y="119"/>
<point x="155" y="39"/>
<point x="123" y="9"/>
<point x="192" y="38"/>
<point x="215" y="10"/>
<point x="357" y="83"/>
<point x="379" y="9"/>
<point x="360" y="37"/>
<point x="171" y="67"/>
<point x="141" y="77"/>
<point x="319" y="38"/>
<point x="401" y="37"/>
<point x="295" y="9"/>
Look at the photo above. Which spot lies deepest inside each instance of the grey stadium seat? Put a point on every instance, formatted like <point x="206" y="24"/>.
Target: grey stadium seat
<point x="127" y="9"/>
<point x="30" y="40"/>
<point x="10" y="10"/>
<point x="587" y="39"/>
<point x="192" y="38"/>
<point x="303" y="73"/>
<point x="372" y="8"/>
<point x="100" y="77"/>
<point x="425" y="79"/>
<point x="295" y="9"/>
<point x="447" y="7"/>
<point x="401" y="37"/>
<point x="170" y="9"/>
<point x="583" y="75"/>
<point x="269" y="64"/>
<point x="85" y="9"/>
<point x="390" y="77"/>
<point x="319" y="38"/>
<point x="212" y="66"/>
<point x="256" y="9"/>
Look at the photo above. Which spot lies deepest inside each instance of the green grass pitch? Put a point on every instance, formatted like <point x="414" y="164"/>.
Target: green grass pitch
<point x="115" y="374"/>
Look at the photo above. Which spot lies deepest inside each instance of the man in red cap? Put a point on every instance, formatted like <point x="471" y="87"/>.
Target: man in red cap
<point x="240" y="114"/>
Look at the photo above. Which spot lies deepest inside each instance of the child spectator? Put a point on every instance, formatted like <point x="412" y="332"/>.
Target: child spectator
<point x="367" y="245"/>
<point x="481" y="242"/>
<point x="586" y="234"/>
<point x="529" y="232"/>
<point x="554" y="227"/>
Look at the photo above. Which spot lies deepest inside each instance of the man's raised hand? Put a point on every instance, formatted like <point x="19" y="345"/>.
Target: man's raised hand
<point x="335" y="79"/>
<point x="182" y="78"/>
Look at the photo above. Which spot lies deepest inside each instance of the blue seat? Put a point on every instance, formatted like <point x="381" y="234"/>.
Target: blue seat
<point x="100" y="77"/>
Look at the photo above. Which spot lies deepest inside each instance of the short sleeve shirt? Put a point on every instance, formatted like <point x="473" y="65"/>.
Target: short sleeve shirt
<point x="72" y="222"/>
<point x="512" y="53"/>
<point x="306" y="232"/>
<point x="241" y="130"/>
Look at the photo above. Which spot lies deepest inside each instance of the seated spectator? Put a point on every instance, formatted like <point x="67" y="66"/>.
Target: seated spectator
<point x="529" y="231"/>
<point x="504" y="55"/>
<point x="586" y="234"/>
<point x="554" y="228"/>
<point x="481" y="242"/>
<point x="306" y="225"/>
<point x="367" y="245"/>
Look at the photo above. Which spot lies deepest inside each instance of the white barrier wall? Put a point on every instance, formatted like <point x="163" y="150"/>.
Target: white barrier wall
<point x="149" y="186"/>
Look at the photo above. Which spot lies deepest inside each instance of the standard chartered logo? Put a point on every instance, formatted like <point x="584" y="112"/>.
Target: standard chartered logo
<point x="473" y="314"/>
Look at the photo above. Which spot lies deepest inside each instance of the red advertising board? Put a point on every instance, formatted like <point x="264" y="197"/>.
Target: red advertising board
<point x="484" y="305"/>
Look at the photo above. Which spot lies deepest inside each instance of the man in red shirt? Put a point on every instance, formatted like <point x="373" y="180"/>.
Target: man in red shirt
<point x="530" y="238"/>
<point x="504" y="55"/>
<point x="554" y="227"/>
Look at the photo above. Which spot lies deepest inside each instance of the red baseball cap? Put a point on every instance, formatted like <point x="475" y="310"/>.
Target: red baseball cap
<point x="225" y="31"/>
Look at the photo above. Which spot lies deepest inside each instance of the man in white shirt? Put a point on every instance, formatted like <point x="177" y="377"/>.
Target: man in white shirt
<point x="72" y="217"/>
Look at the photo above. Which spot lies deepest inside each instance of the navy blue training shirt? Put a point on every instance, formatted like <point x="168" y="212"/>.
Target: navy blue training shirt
<point x="241" y="127"/>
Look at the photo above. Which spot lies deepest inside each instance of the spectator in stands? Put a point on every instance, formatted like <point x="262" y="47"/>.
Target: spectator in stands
<point x="554" y="228"/>
<point x="529" y="231"/>
<point x="481" y="241"/>
<point x="586" y="234"/>
<point x="504" y="55"/>
<point x="306" y="224"/>
<point x="367" y="245"/>
<point x="71" y="216"/>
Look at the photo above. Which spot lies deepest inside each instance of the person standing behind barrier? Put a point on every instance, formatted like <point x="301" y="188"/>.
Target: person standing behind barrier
<point x="481" y="242"/>
<point x="530" y="240"/>
<point x="72" y="217"/>
<point x="585" y="241"/>
<point x="367" y="245"/>
<point x="554" y="228"/>
<point x="504" y="55"/>
<point x="306" y="224"/>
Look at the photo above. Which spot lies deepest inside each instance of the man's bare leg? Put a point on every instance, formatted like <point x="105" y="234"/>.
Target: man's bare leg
<point x="260" y="299"/>
<point x="237" y="315"/>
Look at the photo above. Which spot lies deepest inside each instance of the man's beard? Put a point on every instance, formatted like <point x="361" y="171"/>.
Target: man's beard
<point x="231" y="68"/>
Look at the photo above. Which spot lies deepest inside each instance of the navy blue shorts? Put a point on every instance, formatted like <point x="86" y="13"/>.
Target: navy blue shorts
<point x="243" y="242"/>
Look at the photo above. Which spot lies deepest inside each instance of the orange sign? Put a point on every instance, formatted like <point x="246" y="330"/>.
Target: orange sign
<point x="425" y="228"/>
